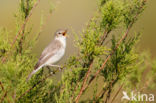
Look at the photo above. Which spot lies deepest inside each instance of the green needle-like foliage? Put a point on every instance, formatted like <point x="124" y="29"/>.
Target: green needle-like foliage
<point x="80" y="77"/>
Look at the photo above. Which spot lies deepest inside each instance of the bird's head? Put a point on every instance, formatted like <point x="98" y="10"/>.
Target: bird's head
<point x="61" y="33"/>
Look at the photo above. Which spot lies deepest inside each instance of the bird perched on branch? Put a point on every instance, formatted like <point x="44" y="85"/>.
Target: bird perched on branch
<point x="52" y="53"/>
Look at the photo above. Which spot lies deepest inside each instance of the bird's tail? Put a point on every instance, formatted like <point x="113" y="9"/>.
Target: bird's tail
<point x="33" y="72"/>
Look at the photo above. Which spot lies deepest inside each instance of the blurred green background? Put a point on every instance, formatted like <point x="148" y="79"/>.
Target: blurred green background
<point x="74" y="14"/>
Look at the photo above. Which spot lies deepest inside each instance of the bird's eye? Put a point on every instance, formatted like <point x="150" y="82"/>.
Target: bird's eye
<point x="59" y="33"/>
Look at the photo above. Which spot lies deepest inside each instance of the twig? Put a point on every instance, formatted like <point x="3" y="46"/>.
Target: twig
<point x="108" y="57"/>
<point x="33" y="87"/>
<point x="108" y="94"/>
<point x="21" y="29"/>
<point x="101" y="94"/>
<point x="117" y="93"/>
<point x="2" y="86"/>
<point x="104" y="37"/>
<point x="20" y="43"/>
<point x="88" y="72"/>
<point x="75" y="90"/>
<point x="84" y="83"/>
<point x="27" y="91"/>
<point x="124" y="36"/>
<point x="83" y="86"/>
<point x="2" y="98"/>
<point x="5" y="95"/>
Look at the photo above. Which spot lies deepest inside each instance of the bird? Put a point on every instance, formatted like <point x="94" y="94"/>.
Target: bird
<point x="52" y="53"/>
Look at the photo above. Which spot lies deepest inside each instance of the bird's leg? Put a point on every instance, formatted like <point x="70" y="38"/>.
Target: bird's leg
<point x="55" y="66"/>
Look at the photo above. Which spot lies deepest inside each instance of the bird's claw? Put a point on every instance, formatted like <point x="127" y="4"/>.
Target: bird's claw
<point x="60" y="68"/>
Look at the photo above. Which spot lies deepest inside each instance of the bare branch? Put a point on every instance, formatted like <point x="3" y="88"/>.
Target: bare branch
<point x="84" y="83"/>
<point x="2" y="86"/>
<point x="117" y="93"/>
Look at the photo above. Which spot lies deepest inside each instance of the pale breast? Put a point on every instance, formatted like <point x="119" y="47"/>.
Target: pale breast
<point x="55" y="58"/>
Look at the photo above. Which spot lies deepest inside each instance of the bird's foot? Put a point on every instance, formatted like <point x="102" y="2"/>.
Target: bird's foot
<point x="60" y="68"/>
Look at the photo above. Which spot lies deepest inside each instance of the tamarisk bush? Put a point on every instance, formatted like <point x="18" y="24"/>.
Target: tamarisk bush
<point x="17" y="61"/>
<point x="107" y="57"/>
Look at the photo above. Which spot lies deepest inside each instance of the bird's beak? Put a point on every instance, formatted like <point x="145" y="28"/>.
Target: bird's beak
<point x="65" y="33"/>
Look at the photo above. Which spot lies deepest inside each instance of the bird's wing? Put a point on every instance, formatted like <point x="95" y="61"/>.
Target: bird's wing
<point x="48" y="52"/>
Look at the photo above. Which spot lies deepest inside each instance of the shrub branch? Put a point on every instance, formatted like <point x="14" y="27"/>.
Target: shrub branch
<point x="108" y="57"/>
<point x="20" y="30"/>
